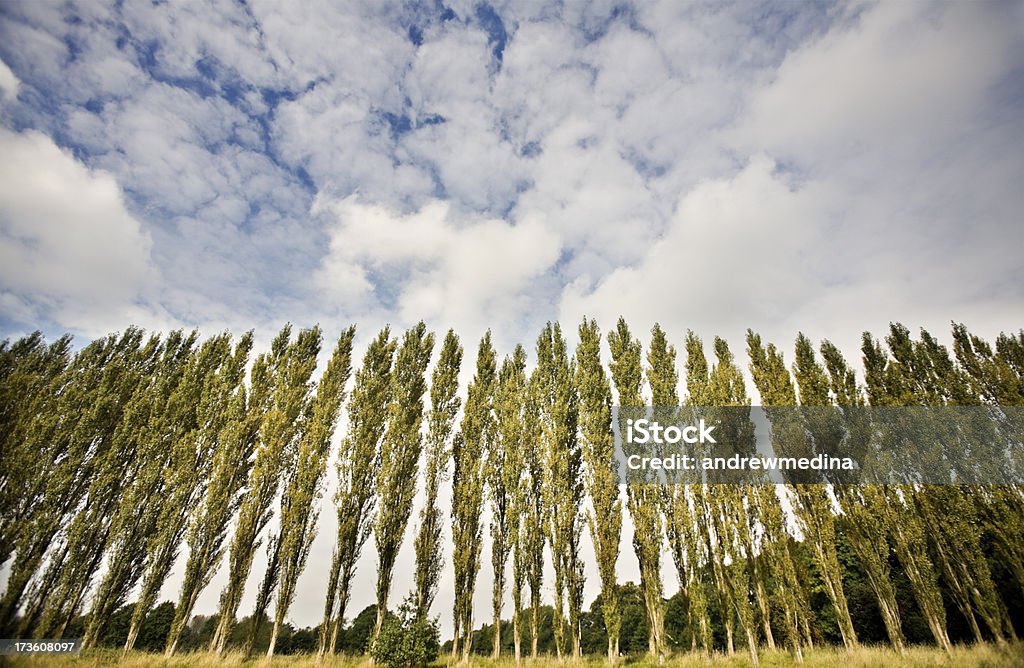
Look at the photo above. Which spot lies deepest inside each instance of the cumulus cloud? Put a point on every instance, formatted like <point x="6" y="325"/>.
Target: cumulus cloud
<point x="901" y="74"/>
<point x="433" y="267"/>
<point x="68" y="246"/>
<point x="8" y="82"/>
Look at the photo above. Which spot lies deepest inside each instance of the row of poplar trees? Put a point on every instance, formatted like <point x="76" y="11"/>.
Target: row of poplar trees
<point x="113" y="457"/>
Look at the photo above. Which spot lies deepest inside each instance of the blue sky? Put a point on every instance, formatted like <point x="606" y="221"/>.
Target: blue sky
<point x="824" y="167"/>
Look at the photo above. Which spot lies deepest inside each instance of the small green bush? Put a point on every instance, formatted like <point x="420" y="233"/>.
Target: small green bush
<point x="405" y="641"/>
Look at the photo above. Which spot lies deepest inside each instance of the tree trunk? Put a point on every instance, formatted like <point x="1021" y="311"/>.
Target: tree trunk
<point x="273" y="638"/>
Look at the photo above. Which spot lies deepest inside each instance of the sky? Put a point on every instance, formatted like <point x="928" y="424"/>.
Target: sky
<point x="785" y="166"/>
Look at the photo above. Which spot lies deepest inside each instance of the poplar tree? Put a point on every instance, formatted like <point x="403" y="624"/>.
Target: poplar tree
<point x="59" y="591"/>
<point x="814" y="505"/>
<point x="32" y="378"/>
<point x="444" y="406"/>
<point x="529" y="552"/>
<point x="504" y="469"/>
<point x="288" y="413"/>
<point x="926" y="370"/>
<point x="277" y="430"/>
<point x="74" y="436"/>
<point x="400" y="454"/>
<point x="995" y="377"/>
<point x="231" y="468"/>
<point x="663" y="379"/>
<point x="358" y="464"/>
<point x="189" y="467"/>
<point x="564" y="489"/>
<point x="605" y="516"/>
<point x="722" y="506"/>
<point x="304" y="488"/>
<point x="139" y="460"/>
<point x="642" y="497"/>
<point x="861" y="504"/>
<point x="167" y="414"/>
<point x="901" y="520"/>
<point x="778" y="395"/>
<point x="469" y="449"/>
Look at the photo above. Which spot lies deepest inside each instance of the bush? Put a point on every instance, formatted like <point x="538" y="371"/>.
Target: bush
<point x="405" y="641"/>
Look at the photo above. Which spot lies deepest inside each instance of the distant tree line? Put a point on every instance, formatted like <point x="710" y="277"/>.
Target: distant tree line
<point x="115" y="456"/>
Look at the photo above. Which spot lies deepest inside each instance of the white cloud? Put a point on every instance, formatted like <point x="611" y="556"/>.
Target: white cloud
<point x="900" y="73"/>
<point x="469" y="273"/>
<point x="739" y="251"/>
<point x="68" y="246"/>
<point x="9" y="83"/>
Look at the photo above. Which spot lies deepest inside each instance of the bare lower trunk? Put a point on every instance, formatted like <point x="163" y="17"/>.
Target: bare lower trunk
<point x="763" y="605"/>
<point x="455" y="639"/>
<point x="496" y="645"/>
<point x="467" y="638"/>
<point x="273" y="638"/>
<point x="752" y="645"/>
<point x="517" y="639"/>
<point x="534" y="624"/>
<point x="133" y="635"/>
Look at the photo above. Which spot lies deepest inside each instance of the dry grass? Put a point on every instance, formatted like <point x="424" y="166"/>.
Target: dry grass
<point x="988" y="656"/>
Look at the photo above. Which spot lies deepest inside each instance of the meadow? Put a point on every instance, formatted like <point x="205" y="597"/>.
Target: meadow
<point x="987" y="655"/>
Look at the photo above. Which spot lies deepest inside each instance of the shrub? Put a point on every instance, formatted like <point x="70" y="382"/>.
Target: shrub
<point x="406" y="641"/>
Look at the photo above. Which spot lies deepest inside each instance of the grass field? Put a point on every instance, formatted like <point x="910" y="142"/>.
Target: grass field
<point x="989" y="656"/>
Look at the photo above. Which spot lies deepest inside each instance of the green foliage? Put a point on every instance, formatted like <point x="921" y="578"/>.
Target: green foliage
<point x="504" y="478"/>
<point x="358" y="464"/>
<point x="469" y="449"/>
<point x="112" y="456"/>
<point x="304" y="487"/>
<point x="563" y="491"/>
<point x="605" y="518"/>
<point x="444" y="405"/>
<point x="643" y="499"/>
<point x="400" y="455"/>
<point x="405" y="640"/>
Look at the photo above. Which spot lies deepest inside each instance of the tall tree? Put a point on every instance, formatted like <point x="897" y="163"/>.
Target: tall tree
<point x="605" y="516"/>
<point x="33" y="376"/>
<point x="564" y="489"/>
<point x="642" y="497"/>
<point x="288" y="414"/>
<point x="814" y="502"/>
<point x="679" y="499"/>
<point x="73" y="442"/>
<point x="231" y="468"/>
<point x="304" y="488"/>
<point x="903" y="524"/>
<point x="400" y="455"/>
<point x="504" y="470"/>
<point x="148" y="421"/>
<point x="59" y="591"/>
<point x="778" y="396"/>
<point x="358" y="463"/>
<point x="444" y="406"/>
<point x="723" y="507"/>
<point x="277" y="430"/>
<point x="529" y="550"/>
<point x="189" y="469"/>
<point x="950" y="515"/>
<point x="468" y="452"/>
<point x="170" y="413"/>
